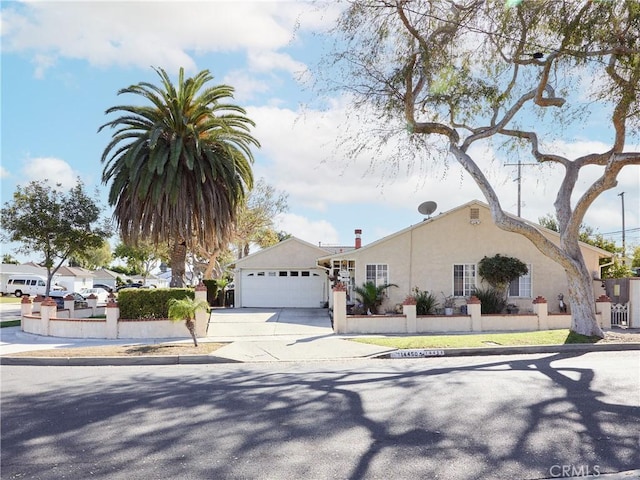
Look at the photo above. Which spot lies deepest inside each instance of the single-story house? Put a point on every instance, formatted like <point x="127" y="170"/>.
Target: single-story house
<point x="284" y="275"/>
<point x="74" y="279"/>
<point x="107" y="277"/>
<point x="441" y="255"/>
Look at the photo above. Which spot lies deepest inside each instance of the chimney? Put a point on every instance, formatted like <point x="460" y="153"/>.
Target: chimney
<point x="358" y="239"/>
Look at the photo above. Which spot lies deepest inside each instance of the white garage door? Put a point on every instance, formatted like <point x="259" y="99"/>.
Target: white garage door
<point x="282" y="288"/>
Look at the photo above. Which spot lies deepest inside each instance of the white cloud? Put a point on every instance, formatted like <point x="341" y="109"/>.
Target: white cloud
<point x="299" y="155"/>
<point x="4" y="173"/>
<point x="306" y="229"/>
<point x="153" y="33"/>
<point x="54" y="170"/>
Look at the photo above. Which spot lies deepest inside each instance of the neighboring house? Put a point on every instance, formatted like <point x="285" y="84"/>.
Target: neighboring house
<point x="441" y="255"/>
<point x="155" y="280"/>
<point x="74" y="279"/>
<point x="9" y="269"/>
<point x="107" y="277"/>
<point x="283" y="275"/>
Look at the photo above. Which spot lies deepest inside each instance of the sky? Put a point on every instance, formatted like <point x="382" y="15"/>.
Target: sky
<point x="63" y="63"/>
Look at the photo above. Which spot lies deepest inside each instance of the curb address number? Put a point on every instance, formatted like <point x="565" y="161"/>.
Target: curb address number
<point x="416" y="353"/>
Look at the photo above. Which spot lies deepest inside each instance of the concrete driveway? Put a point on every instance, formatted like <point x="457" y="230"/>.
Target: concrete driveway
<point x="234" y="324"/>
<point x="282" y="334"/>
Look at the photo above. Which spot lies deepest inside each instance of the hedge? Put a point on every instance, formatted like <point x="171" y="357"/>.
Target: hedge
<point x="149" y="302"/>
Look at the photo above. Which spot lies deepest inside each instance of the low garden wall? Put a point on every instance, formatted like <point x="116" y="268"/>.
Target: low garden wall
<point x="42" y="317"/>
<point x="410" y="323"/>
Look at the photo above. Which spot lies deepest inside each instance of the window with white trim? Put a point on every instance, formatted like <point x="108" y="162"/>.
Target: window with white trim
<point x="378" y="274"/>
<point x="464" y="279"/>
<point x="521" y="287"/>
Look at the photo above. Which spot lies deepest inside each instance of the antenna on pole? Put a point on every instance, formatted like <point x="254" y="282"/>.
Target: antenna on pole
<point x="519" y="179"/>
<point x="624" y="242"/>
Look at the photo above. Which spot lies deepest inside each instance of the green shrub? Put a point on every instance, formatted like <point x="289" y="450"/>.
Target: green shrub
<point x="492" y="300"/>
<point x="149" y="302"/>
<point x="426" y="302"/>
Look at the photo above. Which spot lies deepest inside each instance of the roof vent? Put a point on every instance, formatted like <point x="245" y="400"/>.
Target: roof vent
<point x="474" y="216"/>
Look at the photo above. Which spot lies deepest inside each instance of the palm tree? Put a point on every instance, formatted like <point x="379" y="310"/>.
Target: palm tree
<point x="371" y="295"/>
<point x="180" y="166"/>
<point x="185" y="309"/>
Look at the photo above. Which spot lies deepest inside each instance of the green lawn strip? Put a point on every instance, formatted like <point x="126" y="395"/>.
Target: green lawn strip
<point x="10" y="323"/>
<point x="546" y="337"/>
<point x="10" y="299"/>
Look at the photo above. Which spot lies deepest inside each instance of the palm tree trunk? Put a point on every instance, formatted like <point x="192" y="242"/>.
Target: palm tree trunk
<point x="178" y="260"/>
<point x="192" y="330"/>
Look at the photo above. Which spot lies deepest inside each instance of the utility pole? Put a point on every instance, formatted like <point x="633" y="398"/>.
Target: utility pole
<point x="519" y="179"/>
<point x="624" y="243"/>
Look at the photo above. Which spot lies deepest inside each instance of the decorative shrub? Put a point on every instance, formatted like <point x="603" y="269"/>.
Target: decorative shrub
<point x="492" y="300"/>
<point x="426" y="302"/>
<point x="149" y="302"/>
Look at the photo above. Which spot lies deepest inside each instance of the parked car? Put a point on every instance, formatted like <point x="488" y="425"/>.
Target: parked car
<point x="58" y="296"/>
<point x="129" y="285"/>
<point x="104" y="287"/>
<point x="101" y="293"/>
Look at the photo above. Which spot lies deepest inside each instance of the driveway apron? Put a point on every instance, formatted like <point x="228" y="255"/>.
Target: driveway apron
<point x="277" y="323"/>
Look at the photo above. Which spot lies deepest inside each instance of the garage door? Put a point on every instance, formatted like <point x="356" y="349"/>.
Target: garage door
<point x="282" y="288"/>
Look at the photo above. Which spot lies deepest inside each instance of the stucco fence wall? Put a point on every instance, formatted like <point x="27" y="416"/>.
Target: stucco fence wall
<point x="42" y="317"/>
<point x="409" y="322"/>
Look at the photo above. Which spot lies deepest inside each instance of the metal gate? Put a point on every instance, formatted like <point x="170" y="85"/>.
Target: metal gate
<point x="620" y="315"/>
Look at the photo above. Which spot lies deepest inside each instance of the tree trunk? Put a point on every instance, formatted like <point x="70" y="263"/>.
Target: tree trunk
<point x="582" y="304"/>
<point x="192" y="330"/>
<point x="178" y="261"/>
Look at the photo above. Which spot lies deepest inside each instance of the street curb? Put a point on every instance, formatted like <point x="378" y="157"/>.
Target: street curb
<point x="519" y="350"/>
<point x="403" y="354"/>
<point x="114" y="361"/>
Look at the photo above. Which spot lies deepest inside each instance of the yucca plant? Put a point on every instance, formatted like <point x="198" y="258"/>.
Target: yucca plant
<point x="371" y="295"/>
<point x="185" y="309"/>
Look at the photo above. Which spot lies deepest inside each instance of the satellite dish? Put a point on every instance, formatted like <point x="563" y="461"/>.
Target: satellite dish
<point x="427" y="208"/>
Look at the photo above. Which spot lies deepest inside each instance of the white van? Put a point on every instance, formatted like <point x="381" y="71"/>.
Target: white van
<point x="31" y="285"/>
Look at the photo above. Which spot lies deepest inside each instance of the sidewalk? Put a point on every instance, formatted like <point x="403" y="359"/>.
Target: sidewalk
<point x="260" y="335"/>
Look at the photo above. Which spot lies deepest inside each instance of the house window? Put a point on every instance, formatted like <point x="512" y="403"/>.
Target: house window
<point x="521" y="287"/>
<point x="305" y="273"/>
<point x="378" y="274"/>
<point x="293" y="273"/>
<point x="464" y="279"/>
<point x="272" y="274"/>
<point x="282" y="273"/>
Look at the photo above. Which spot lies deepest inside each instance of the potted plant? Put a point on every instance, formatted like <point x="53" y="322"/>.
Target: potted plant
<point x="449" y="303"/>
<point x="372" y="296"/>
<point x="185" y="309"/>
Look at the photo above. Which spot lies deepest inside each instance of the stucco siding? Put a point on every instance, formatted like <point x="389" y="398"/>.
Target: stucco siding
<point x="424" y="255"/>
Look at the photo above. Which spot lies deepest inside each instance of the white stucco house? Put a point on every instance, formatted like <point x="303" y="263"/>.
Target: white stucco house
<point x="439" y="254"/>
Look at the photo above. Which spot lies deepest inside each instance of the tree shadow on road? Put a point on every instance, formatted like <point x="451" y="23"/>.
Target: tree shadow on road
<point x="508" y="418"/>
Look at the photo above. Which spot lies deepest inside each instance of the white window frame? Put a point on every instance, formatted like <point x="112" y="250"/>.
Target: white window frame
<point x="380" y="273"/>
<point x="524" y="285"/>
<point x="469" y="279"/>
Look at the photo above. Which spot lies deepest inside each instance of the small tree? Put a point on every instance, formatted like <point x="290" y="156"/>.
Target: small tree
<point x="371" y="295"/>
<point x="185" y="309"/>
<point x="499" y="272"/>
<point x="55" y="223"/>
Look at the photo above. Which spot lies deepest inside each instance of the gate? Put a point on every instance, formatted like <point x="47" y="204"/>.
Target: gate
<point x="620" y="315"/>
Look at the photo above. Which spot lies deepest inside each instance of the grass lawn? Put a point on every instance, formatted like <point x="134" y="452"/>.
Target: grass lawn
<point x="10" y="299"/>
<point x="10" y="323"/>
<point x="546" y="337"/>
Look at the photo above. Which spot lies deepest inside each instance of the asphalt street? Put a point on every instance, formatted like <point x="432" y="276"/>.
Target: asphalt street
<point x="499" y="417"/>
